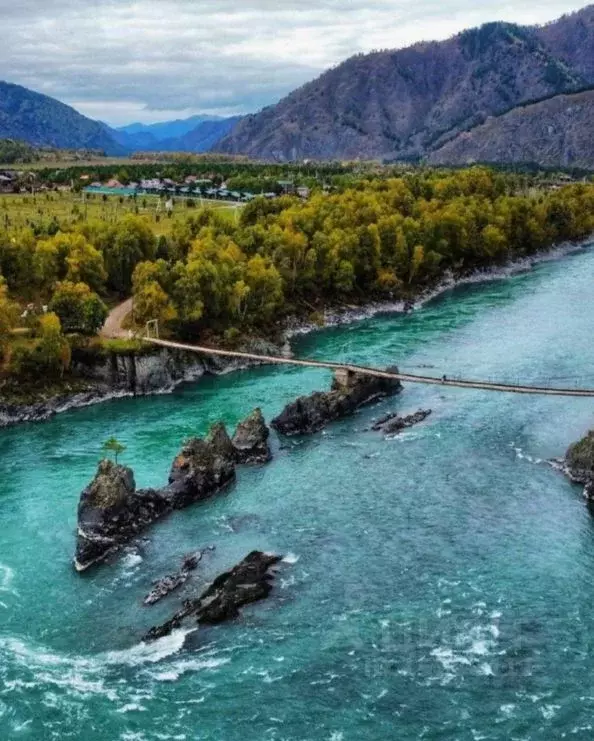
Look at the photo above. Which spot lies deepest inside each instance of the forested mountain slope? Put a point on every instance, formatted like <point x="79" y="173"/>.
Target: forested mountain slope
<point x="406" y="103"/>
<point x="43" y="121"/>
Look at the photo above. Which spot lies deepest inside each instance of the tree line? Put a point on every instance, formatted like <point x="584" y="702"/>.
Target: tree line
<point x="380" y="238"/>
<point x="182" y="167"/>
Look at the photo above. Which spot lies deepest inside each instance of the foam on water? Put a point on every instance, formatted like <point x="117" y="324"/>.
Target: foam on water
<point x="80" y="676"/>
<point x="6" y="579"/>
<point x="148" y="653"/>
<point x="131" y="560"/>
<point x="177" y="669"/>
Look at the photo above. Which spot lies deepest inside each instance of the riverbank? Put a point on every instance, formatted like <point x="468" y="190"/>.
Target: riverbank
<point x="120" y="375"/>
<point x="341" y="316"/>
<point x="161" y="372"/>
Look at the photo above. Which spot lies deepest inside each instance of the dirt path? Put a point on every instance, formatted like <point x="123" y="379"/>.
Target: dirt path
<point x="112" y="329"/>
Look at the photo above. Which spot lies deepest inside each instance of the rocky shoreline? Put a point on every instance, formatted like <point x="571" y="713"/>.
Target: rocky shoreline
<point x="129" y="375"/>
<point x="162" y="371"/>
<point x="578" y="464"/>
<point x="344" y="315"/>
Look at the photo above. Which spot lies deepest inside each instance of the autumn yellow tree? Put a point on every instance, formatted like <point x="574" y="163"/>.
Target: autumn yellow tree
<point x="8" y="314"/>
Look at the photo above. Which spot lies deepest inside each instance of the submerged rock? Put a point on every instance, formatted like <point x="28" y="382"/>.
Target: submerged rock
<point x="166" y="585"/>
<point x="249" y="581"/>
<point x="250" y="440"/>
<point x="349" y="392"/>
<point x="579" y="464"/>
<point x="111" y="511"/>
<point x="394" y="423"/>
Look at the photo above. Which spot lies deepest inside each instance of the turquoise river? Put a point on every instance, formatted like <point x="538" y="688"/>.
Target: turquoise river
<point x="437" y="585"/>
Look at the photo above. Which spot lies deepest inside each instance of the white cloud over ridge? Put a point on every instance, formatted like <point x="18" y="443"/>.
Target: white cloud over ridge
<point x="148" y="60"/>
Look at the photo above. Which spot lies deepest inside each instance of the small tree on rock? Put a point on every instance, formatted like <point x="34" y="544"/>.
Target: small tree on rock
<point x="113" y="447"/>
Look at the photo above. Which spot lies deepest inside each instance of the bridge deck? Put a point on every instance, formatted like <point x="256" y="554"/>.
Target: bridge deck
<point x="406" y="377"/>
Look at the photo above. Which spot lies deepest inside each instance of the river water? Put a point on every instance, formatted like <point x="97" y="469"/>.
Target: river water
<point x="439" y="585"/>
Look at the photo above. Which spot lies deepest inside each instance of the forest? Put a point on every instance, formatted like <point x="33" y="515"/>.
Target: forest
<point x="215" y="279"/>
<point x="179" y="167"/>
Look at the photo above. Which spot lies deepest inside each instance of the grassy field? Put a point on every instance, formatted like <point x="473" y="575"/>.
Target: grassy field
<point x="17" y="211"/>
<point x="61" y="163"/>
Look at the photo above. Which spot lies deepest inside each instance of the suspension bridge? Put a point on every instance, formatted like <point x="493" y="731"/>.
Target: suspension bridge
<point x="345" y="369"/>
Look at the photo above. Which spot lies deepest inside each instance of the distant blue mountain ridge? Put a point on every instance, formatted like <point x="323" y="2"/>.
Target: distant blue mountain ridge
<point x="39" y="120"/>
<point x="167" y="129"/>
<point x="194" y="134"/>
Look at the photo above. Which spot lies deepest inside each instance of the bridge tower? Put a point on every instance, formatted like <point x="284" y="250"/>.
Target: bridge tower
<point x="344" y="377"/>
<point x="152" y="329"/>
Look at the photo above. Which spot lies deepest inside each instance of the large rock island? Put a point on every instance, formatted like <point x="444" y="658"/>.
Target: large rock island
<point x="112" y="511"/>
<point x="349" y="392"/>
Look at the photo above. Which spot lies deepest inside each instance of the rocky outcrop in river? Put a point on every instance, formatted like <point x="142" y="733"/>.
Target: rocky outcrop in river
<point x="199" y="471"/>
<point x="250" y="440"/>
<point x="111" y="511"/>
<point x="249" y="581"/>
<point x="166" y="585"/>
<point x="579" y="464"/>
<point x="349" y="392"/>
<point x="393" y="423"/>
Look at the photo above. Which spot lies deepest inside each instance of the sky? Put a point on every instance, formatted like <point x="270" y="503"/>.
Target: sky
<point x="152" y="60"/>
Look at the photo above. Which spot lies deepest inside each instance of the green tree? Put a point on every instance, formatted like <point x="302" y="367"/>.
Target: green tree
<point x="49" y="358"/>
<point x="53" y="349"/>
<point x="113" y="447"/>
<point x="79" y="308"/>
<point x="132" y="242"/>
<point x="8" y="314"/>
<point x="46" y="264"/>
<point x="85" y="264"/>
<point x="151" y="302"/>
<point x="17" y="250"/>
<point x="265" y="289"/>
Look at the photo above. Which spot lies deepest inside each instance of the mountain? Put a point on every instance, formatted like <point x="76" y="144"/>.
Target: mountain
<point x="193" y="137"/>
<point x="142" y="141"/>
<point x="168" y="129"/>
<point x="204" y="136"/>
<point x="405" y="104"/>
<point x="43" y="121"/>
<point x="554" y="132"/>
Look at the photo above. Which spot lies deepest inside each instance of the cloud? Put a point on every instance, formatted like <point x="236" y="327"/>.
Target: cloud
<point x="123" y="60"/>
